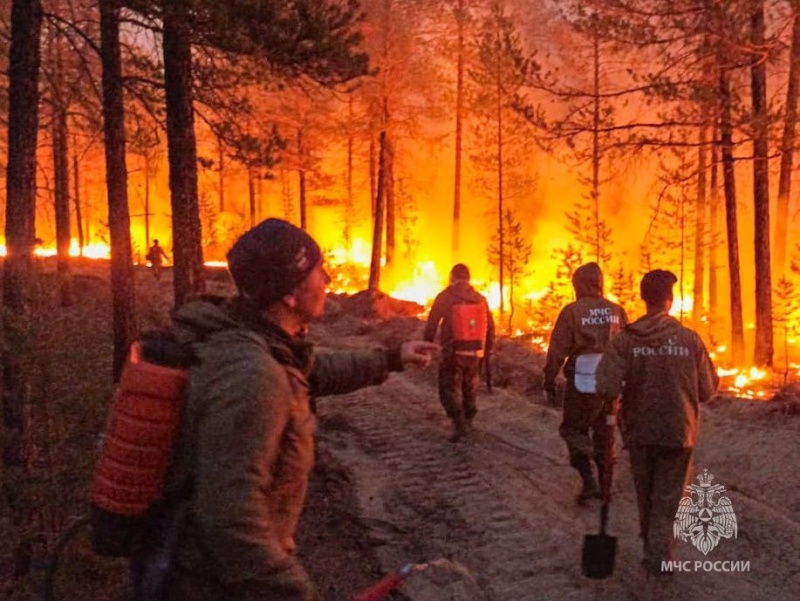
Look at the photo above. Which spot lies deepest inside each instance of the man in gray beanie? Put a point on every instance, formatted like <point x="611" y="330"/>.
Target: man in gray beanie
<point x="246" y="444"/>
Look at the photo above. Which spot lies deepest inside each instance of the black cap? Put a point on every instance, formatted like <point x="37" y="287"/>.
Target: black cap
<point x="269" y="261"/>
<point x="656" y="286"/>
<point x="460" y="272"/>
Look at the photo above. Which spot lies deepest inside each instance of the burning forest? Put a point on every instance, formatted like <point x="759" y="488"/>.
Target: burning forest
<point x="522" y="138"/>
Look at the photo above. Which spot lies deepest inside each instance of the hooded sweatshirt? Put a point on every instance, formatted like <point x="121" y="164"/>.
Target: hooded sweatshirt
<point x="584" y="326"/>
<point x="246" y="440"/>
<point x="664" y="372"/>
<point x="442" y="311"/>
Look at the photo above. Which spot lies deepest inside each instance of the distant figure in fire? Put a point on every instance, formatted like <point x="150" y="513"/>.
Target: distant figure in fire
<point x="156" y="256"/>
<point x="663" y="372"/>
<point x="467" y="334"/>
<point x="581" y="334"/>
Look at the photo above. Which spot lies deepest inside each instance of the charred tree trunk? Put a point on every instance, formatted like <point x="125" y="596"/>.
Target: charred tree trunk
<point x="373" y="195"/>
<point x="301" y="179"/>
<point x="251" y="194"/>
<point x="122" y="285"/>
<point x="700" y="239"/>
<point x="598" y="251"/>
<point x="500" y="233"/>
<point x="76" y="179"/>
<point x="456" y="241"/>
<point x="787" y="148"/>
<point x="23" y="123"/>
<point x="348" y="210"/>
<point x="713" y="231"/>
<point x="377" y="230"/>
<point x="764" y="350"/>
<point x="726" y="145"/>
<point x="221" y="150"/>
<point x="61" y="196"/>
<point x="389" y="201"/>
<point x="182" y="150"/>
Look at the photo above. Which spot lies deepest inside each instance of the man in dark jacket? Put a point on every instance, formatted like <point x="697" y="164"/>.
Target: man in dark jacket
<point x="581" y="334"/>
<point x="466" y="336"/>
<point x="663" y="372"/>
<point x="246" y="442"/>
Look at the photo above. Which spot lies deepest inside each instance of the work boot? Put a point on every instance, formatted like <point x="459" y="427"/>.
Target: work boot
<point x="590" y="489"/>
<point x="459" y="428"/>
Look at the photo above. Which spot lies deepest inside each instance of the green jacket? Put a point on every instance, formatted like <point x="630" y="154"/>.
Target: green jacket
<point x="584" y="326"/>
<point x="663" y="372"/>
<point x="246" y="443"/>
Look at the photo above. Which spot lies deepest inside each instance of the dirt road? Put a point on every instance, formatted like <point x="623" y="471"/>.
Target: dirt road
<point x="500" y="505"/>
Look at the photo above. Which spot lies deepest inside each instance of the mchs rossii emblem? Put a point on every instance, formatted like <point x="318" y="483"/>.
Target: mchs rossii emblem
<point x="705" y="516"/>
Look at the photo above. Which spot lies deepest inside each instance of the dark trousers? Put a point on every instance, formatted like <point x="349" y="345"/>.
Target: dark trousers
<point x="660" y="475"/>
<point x="585" y="428"/>
<point x="458" y="385"/>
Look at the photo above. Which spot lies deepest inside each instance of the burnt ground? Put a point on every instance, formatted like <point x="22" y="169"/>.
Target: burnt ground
<point x="496" y="512"/>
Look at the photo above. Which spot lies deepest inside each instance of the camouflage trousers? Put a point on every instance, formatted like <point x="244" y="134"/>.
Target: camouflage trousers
<point x="660" y="475"/>
<point x="585" y="429"/>
<point x="458" y="385"/>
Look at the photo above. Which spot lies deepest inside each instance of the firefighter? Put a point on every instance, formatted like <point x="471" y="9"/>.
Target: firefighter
<point x="663" y="372"/>
<point x="466" y="336"/>
<point x="246" y="442"/>
<point x="581" y="334"/>
<point x="156" y="255"/>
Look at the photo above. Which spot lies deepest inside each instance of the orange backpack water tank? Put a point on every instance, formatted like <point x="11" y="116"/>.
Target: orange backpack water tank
<point x="137" y="449"/>
<point x="469" y="329"/>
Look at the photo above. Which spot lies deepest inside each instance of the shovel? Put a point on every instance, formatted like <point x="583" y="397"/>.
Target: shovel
<point x="600" y="550"/>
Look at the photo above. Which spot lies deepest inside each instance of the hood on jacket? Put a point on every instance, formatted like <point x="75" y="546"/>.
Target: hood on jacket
<point x="588" y="281"/>
<point x="653" y="326"/>
<point x="195" y="320"/>
<point x="463" y="291"/>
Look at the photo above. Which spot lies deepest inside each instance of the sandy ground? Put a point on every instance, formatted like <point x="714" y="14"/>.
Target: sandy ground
<point x="500" y="506"/>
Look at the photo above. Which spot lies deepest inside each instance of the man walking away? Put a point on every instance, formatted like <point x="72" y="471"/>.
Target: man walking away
<point x="156" y="256"/>
<point x="663" y="372"/>
<point x="581" y="334"/>
<point x="466" y="335"/>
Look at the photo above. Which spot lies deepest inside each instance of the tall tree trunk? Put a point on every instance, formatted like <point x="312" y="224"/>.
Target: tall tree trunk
<point x="147" y="173"/>
<point x="119" y="223"/>
<point x="456" y="240"/>
<point x="713" y="230"/>
<point x="700" y="239"/>
<point x="221" y="151"/>
<point x="764" y="350"/>
<point x="61" y="197"/>
<point x="787" y="148"/>
<point x="372" y="177"/>
<point x="389" y="201"/>
<point x="23" y="123"/>
<point x="251" y="194"/>
<point x="377" y="230"/>
<point x="182" y="150"/>
<point x="77" y="196"/>
<point x="348" y="210"/>
<point x="500" y="233"/>
<point x="726" y="144"/>
<point x="598" y="252"/>
<point x="301" y="179"/>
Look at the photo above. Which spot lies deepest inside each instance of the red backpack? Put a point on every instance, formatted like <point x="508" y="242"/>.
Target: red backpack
<point x="127" y="493"/>
<point x="469" y="329"/>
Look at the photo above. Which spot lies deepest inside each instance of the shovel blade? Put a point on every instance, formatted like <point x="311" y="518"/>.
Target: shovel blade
<point x="599" y="552"/>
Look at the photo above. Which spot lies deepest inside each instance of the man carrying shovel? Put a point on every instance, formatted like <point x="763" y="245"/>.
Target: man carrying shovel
<point x="663" y="372"/>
